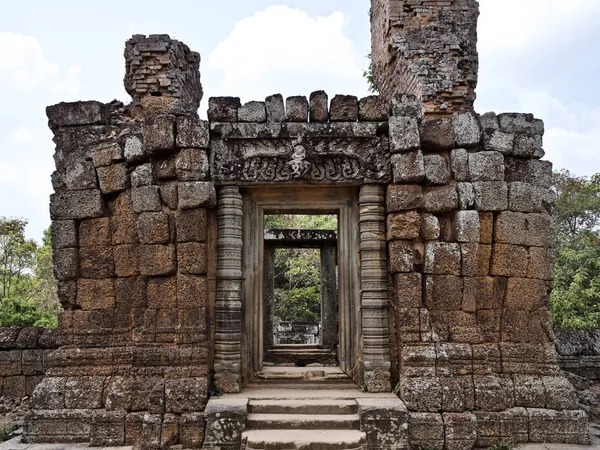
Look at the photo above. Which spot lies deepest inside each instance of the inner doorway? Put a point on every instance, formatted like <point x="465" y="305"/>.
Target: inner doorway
<point x="300" y="321"/>
<point x="341" y="202"/>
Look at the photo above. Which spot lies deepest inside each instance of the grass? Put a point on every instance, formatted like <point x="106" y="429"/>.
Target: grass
<point x="6" y="428"/>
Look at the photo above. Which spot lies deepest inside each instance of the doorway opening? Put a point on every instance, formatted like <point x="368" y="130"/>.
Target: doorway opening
<point x="300" y="289"/>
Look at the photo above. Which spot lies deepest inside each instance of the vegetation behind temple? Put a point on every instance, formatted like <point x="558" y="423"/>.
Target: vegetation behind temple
<point x="28" y="289"/>
<point x="27" y="286"/>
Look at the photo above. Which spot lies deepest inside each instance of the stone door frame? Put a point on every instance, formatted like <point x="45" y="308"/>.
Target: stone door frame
<point x="364" y="352"/>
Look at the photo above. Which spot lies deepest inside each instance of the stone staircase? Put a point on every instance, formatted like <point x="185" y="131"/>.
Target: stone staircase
<point x="306" y="408"/>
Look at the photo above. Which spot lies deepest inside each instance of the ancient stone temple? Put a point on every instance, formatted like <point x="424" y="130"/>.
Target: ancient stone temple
<point x="435" y="322"/>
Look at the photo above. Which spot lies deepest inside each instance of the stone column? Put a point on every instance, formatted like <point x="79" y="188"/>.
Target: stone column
<point x="328" y="296"/>
<point x="269" y="295"/>
<point x="374" y="289"/>
<point x="229" y="290"/>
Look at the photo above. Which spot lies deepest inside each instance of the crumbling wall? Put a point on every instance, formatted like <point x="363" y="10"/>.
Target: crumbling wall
<point x="471" y="250"/>
<point x="426" y="48"/>
<point x="131" y="245"/>
<point x="24" y="354"/>
<point x="579" y="352"/>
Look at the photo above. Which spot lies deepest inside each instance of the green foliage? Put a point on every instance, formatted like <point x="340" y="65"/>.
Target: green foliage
<point x="5" y="430"/>
<point x="27" y="286"/>
<point x="368" y="75"/>
<point x="575" y="298"/>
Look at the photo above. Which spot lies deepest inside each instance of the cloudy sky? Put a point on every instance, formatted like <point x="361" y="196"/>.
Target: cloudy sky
<point x="539" y="56"/>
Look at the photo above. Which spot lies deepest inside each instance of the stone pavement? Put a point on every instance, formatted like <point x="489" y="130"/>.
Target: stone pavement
<point x="15" y="444"/>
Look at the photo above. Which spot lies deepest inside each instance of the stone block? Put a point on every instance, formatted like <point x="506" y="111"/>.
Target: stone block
<point x="436" y="169"/>
<point x="421" y="393"/>
<point x="162" y="293"/>
<point x="443" y="292"/>
<point x="466" y="226"/>
<point x="84" y="392"/>
<point x="493" y="392"/>
<point x="159" y="134"/>
<point x="145" y="198"/>
<point x="192" y="291"/>
<point x="192" y="132"/>
<point x="254" y="112"/>
<point x="531" y="171"/>
<point x="426" y="430"/>
<point x="527" y="294"/>
<point x="319" y="107"/>
<point x="197" y="194"/>
<point x="529" y="391"/>
<point x="486" y="166"/>
<point x="14" y="387"/>
<point x="67" y="293"/>
<point x="191" y="434"/>
<point x="407" y="105"/>
<point x="344" y="108"/>
<point x="192" y="165"/>
<point x="403" y="226"/>
<point x="296" y="109"/>
<point x="130" y="293"/>
<point x="63" y="233"/>
<point x="404" y="197"/>
<point x="142" y="175"/>
<point x="437" y="135"/>
<point x="453" y="396"/>
<point x="127" y="260"/>
<point x="169" y="434"/>
<point x="528" y="146"/>
<point x="81" y="175"/>
<point x="75" y="114"/>
<point x="401" y="256"/>
<point x="28" y="338"/>
<point x="560" y="394"/>
<point x="157" y="260"/>
<point x="95" y="232"/>
<point x="569" y="427"/>
<point x="442" y="258"/>
<point x="192" y="258"/>
<point x="134" y="148"/>
<point x="373" y="109"/>
<point x="525" y="229"/>
<point x="223" y="109"/>
<point x="520" y="123"/>
<point x="169" y="195"/>
<point x="479" y="294"/>
<point x="486" y="227"/>
<point x="404" y="134"/>
<point x="475" y="259"/>
<point x="430" y="227"/>
<point x="113" y="178"/>
<point x="164" y="168"/>
<point x="525" y="197"/>
<point x="408" y="167"/>
<point x="275" y="108"/>
<point x="10" y="363"/>
<point x="408" y="290"/>
<point x="459" y="164"/>
<point x="440" y="199"/>
<point x="466" y="195"/>
<point x="76" y="205"/>
<point x="509" y="260"/>
<point x="460" y="430"/>
<point x="499" y="141"/>
<point x="191" y="225"/>
<point x="186" y="395"/>
<point x="491" y="195"/>
<point x="95" y="294"/>
<point x="467" y="130"/>
<point x="153" y="228"/>
<point x="108" y="428"/>
<point x="124" y="229"/>
<point x="65" y="263"/>
<point x="489" y="121"/>
<point x="542" y="261"/>
<point x="96" y="262"/>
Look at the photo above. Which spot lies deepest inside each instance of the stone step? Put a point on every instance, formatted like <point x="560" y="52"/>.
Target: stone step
<point x="303" y="421"/>
<point x="302" y="373"/>
<point x="301" y="385"/>
<point x="316" y="406"/>
<point x="286" y="439"/>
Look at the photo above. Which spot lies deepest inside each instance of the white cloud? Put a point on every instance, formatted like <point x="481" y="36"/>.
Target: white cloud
<point x="510" y="26"/>
<point x="23" y="66"/>
<point x="23" y="135"/>
<point x="285" y="50"/>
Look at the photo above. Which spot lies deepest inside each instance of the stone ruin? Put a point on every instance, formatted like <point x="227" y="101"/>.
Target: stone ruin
<point x="445" y="250"/>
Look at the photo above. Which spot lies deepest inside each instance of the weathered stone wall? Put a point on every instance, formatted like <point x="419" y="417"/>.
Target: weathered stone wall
<point x="24" y="354"/>
<point x="472" y="253"/>
<point x="579" y="352"/>
<point x="426" y="48"/>
<point x="131" y="245"/>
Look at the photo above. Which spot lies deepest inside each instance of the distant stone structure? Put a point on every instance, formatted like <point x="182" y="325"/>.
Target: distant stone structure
<point x="445" y="249"/>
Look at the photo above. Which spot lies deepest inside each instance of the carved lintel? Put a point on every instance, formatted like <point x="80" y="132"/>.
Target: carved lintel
<point x="354" y="160"/>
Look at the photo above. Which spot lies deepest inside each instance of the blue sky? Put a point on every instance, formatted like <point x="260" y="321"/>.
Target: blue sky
<point x="538" y="56"/>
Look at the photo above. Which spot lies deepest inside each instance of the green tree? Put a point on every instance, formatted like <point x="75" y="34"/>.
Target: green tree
<point x="368" y="75"/>
<point x="575" y="298"/>
<point x="27" y="286"/>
